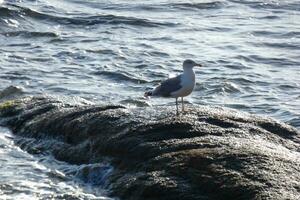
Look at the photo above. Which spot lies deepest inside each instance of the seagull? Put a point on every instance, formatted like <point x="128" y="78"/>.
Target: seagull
<point x="179" y="86"/>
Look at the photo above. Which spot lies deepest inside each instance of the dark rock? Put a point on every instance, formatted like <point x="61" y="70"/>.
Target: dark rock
<point x="207" y="153"/>
<point x="10" y="91"/>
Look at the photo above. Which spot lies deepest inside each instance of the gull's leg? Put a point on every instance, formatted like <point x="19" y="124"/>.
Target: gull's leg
<point x="182" y="104"/>
<point x="176" y="106"/>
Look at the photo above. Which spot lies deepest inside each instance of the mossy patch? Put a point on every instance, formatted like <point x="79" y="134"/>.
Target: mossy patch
<point x="7" y="105"/>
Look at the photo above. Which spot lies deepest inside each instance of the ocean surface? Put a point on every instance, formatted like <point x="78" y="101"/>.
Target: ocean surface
<point x="112" y="51"/>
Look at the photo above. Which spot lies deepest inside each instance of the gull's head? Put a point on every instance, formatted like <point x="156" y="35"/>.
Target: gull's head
<point x="189" y="64"/>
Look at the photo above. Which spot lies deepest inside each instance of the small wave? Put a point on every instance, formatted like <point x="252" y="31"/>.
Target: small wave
<point x="29" y="34"/>
<point x="279" y="62"/>
<point x="102" y="51"/>
<point x="288" y="87"/>
<point x="280" y="5"/>
<point x="295" y="122"/>
<point x="95" y="174"/>
<point x="75" y="55"/>
<point x="242" y="81"/>
<point x="145" y="7"/>
<point x="273" y="61"/>
<point x="216" y="85"/>
<point x="155" y="7"/>
<point x="207" y="5"/>
<point x="6" y="12"/>
<point x="89" y="20"/>
<point x="14" y="77"/>
<point x="278" y="45"/>
<point x="292" y="34"/>
<point x="113" y="19"/>
<point x="219" y="29"/>
<point x="269" y="17"/>
<point x="271" y="34"/>
<point x="26" y="44"/>
<point x="157" y="54"/>
<point x="230" y="87"/>
<point x="120" y="76"/>
<point x="273" y="5"/>
<point x="236" y="66"/>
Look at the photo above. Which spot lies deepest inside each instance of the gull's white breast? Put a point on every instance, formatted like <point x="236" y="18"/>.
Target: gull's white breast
<point x="187" y="83"/>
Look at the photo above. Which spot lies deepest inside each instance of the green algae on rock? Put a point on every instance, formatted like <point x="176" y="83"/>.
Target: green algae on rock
<point x="6" y="105"/>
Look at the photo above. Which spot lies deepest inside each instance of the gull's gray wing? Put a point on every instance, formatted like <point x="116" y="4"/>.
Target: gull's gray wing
<point x="167" y="87"/>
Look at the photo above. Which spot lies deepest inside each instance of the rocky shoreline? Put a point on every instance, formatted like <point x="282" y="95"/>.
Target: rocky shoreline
<point x="207" y="153"/>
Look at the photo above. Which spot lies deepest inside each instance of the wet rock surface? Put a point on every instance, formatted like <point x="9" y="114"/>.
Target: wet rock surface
<point x="10" y="92"/>
<point x="206" y="153"/>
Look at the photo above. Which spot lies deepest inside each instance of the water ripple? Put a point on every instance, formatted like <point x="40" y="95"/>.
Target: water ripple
<point x="120" y="76"/>
<point x="272" y="5"/>
<point x="202" y="6"/>
<point x="283" y="45"/>
<point x="86" y="20"/>
<point x="279" y="35"/>
<point x="30" y="34"/>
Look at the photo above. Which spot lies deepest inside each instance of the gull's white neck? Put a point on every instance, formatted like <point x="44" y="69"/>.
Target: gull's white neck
<point x="187" y="83"/>
<point x="188" y="73"/>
